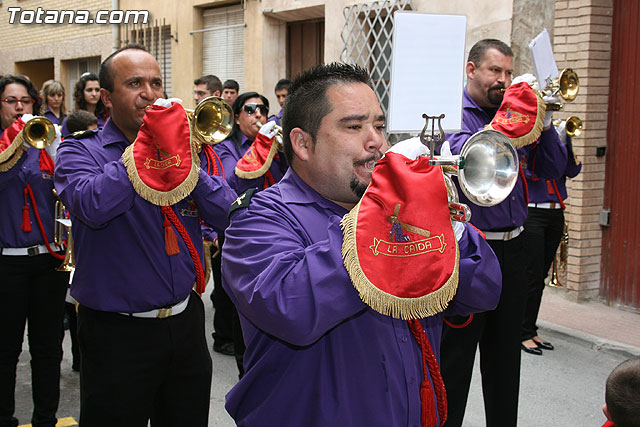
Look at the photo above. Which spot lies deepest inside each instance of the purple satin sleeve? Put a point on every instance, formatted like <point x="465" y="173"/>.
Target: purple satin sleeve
<point x="480" y="280"/>
<point x="548" y="158"/>
<point x="95" y="194"/>
<point x="294" y="291"/>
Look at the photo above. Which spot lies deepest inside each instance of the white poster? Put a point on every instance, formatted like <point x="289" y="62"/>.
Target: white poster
<point x="543" y="61"/>
<point x="427" y="71"/>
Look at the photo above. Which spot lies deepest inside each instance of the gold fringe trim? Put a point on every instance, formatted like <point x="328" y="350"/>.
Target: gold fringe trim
<point x="12" y="148"/>
<point x="538" y="127"/>
<point x="265" y="167"/>
<point x="161" y="198"/>
<point x="383" y="302"/>
<point x="5" y="166"/>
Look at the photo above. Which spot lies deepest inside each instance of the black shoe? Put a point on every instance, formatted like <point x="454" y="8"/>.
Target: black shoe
<point x="531" y="350"/>
<point x="226" y="348"/>
<point x="545" y="345"/>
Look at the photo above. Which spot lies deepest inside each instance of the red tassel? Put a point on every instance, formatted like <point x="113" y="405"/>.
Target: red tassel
<point x="550" y="187"/>
<point x="428" y="405"/>
<point x="170" y="239"/>
<point x="26" y="219"/>
<point x="170" y="215"/>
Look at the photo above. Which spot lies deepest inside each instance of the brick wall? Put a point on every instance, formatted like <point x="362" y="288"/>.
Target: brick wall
<point x="582" y="41"/>
<point x="24" y="35"/>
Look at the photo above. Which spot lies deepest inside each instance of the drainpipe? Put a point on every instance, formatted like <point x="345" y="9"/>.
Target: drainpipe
<point x="115" y="29"/>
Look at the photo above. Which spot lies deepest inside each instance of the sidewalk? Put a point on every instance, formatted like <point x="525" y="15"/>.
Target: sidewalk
<point x="593" y="321"/>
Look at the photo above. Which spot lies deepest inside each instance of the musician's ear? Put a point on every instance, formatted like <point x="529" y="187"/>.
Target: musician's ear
<point x="105" y="95"/>
<point x="301" y="143"/>
<point x="471" y="69"/>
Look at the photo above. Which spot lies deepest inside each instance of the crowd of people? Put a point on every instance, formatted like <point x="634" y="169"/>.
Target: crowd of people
<point x="268" y="200"/>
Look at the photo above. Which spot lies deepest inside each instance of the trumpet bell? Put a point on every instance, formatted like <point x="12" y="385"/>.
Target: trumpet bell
<point x="490" y="168"/>
<point x="39" y="132"/>
<point x="212" y="120"/>
<point x="569" y="84"/>
<point x="574" y="126"/>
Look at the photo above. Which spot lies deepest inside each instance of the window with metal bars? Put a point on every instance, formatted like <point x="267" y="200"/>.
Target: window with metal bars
<point x="367" y="36"/>
<point x="156" y="38"/>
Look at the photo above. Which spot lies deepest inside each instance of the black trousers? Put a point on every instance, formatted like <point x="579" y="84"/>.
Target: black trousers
<point x="542" y="231"/>
<point x="133" y="370"/>
<point x="224" y="308"/>
<point x="32" y="292"/>
<point x="497" y="333"/>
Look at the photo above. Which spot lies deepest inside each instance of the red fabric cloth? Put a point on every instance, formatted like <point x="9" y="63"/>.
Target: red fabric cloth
<point x="258" y="157"/>
<point x="7" y="138"/>
<point x="609" y="424"/>
<point x="162" y="151"/>
<point x="46" y="162"/>
<point x="404" y="233"/>
<point x="518" y="111"/>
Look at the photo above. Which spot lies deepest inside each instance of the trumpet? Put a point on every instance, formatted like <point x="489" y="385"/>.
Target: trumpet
<point x="39" y="133"/>
<point x="573" y="125"/>
<point x="61" y="221"/>
<point x="566" y="85"/>
<point x="211" y="121"/>
<point x="487" y="168"/>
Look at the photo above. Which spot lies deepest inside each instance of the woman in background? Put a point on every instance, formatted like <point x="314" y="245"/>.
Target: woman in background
<point x="86" y="96"/>
<point x="53" y="108"/>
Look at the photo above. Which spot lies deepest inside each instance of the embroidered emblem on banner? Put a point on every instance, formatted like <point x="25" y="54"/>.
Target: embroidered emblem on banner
<point x="251" y="157"/>
<point x="401" y="244"/>
<point x="512" y="117"/>
<point x="164" y="160"/>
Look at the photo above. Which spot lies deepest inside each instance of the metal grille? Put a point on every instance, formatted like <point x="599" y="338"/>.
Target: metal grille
<point x="156" y="38"/>
<point x="367" y="35"/>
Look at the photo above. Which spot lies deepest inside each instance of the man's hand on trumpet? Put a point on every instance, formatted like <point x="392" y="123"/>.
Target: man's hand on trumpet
<point x="270" y="131"/>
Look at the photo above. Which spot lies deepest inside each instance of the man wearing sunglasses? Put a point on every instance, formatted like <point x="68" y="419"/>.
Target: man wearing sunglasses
<point x="32" y="288"/>
<point x="250" y="110"/>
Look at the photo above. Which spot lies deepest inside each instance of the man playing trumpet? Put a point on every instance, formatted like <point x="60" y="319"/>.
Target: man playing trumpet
<point x="489" y="71"/>
<point x="317" y="355"/>
<point x="139" y="253"/>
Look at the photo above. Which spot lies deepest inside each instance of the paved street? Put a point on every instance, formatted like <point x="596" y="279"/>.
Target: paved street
<point x="564" y="387"/>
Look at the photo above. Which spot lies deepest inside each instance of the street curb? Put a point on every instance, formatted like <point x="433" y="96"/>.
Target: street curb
<point x="598" y="343"/>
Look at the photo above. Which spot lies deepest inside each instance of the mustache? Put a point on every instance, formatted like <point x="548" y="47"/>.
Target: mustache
<point x="373" y="157"/>
<point x="497" y="87"/>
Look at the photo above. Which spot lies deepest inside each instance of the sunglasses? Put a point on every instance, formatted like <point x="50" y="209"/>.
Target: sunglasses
<point x="13" y="100"/>
<point x="250" y="109"/>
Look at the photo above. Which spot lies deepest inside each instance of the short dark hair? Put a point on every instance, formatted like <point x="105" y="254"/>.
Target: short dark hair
<point x="31" y="89"/>
<point x="231" y="84"/>
<point x="476" y="54"/>
<point x="237" y="107"/>
<point x="623" y="393"/>
<point x="307" y="103"/>
<point x="213" y="83"/>
<point x="80" y="120"/>
<point x="283" y="84"/>
<point x="106" y="73"/>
